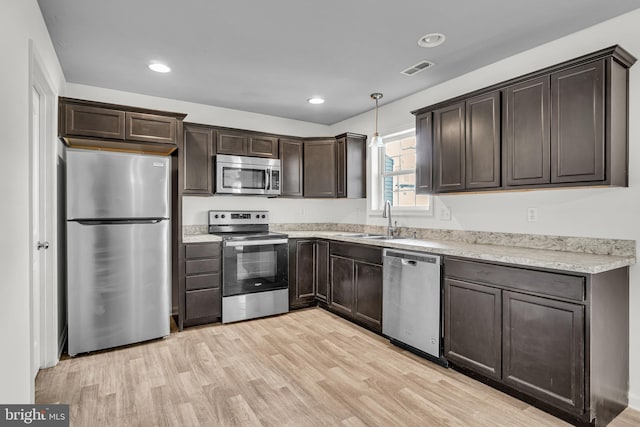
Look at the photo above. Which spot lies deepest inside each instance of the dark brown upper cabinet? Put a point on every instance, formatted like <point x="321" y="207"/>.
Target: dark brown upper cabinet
<point x="482" y="155"/>
<point x="84" y="120"/>
<point x="526" y="131"/>
<point x="424" y="153"/>
<point x="565" y="125"/>
<point x="577" y="125"/>
<point x="262" y="146"/>
<point x="245" y="143"/>
<point x="351" y="162"/>
<point x="449" y="148"/>
<point x="291" y="167"/>
<point x="88" y="124"/>
<point x="150" y="128"/>
<point x="320" y="167"/>
<point x="231" y="142"/>
<point x="196" y="160"/>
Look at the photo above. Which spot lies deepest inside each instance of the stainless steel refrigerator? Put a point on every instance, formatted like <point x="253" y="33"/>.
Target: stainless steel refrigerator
<point x="118" y="249"/>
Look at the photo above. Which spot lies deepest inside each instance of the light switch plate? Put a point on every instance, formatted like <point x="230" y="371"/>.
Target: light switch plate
<point x="532" y="214"/>
<point x="445" y="213"/>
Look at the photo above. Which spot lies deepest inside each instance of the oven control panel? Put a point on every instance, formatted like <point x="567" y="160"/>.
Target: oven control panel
<point x="238" y="217"/>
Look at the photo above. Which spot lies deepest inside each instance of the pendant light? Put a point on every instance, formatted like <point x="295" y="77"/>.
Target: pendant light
<point x="376" y="141"/>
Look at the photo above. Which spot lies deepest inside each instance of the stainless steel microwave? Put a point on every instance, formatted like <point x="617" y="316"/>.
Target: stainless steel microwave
<point x="247" y="175"/>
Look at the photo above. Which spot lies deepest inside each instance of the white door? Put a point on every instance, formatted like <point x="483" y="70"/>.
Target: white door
<point x="44" y="299"/>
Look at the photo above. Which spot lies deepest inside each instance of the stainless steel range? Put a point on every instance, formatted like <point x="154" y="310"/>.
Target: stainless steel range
<point x="255" y="281"/>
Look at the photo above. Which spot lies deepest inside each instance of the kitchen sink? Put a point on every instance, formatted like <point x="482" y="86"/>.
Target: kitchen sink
<point x="370" y="236"/>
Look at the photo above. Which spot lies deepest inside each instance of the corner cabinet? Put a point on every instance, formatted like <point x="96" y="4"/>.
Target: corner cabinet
<point x="308" y="272"/>
<point x="531" y="331"/>
<point x="565" y="125"/>
<point x="320" y="167"/>
<point x="89" y="124"/>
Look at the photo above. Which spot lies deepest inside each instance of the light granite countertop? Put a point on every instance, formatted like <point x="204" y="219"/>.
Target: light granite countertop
<point x="542" y="258"/>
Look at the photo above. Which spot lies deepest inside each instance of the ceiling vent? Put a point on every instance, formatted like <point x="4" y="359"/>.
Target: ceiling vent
<point x="416" y="68"/>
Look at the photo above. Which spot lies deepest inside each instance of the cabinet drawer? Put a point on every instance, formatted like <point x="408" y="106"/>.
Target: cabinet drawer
<point x="202" y="266"/>
<point x="202" y="281"/>
<point x="365" y="253"/>
<point x="552" y="284"/>
<point x="150" y="128"/>
<point x="202" y="251"/>
<point x="204" y="303"/>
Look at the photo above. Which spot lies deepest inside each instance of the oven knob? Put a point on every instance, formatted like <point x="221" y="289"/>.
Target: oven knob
<point x="222" y="215"/>
<point x="264" y="216"/>
<point x="216" y="216"/>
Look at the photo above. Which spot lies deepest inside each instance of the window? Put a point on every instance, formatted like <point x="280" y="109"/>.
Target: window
<point x="396" y="174"/>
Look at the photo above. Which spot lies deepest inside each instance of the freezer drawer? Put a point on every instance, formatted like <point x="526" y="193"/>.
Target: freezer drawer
<point x="119" y="284"/>
<point x="108" y="185"/>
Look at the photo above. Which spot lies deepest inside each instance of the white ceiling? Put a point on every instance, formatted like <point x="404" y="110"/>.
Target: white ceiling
<point x="269" y="56"/>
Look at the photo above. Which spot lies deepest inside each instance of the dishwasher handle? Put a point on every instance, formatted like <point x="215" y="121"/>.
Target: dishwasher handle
<point x="409" y="262"/>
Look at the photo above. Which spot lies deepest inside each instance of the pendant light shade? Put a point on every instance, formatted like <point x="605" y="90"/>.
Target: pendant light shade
<point x="376" y="141"/>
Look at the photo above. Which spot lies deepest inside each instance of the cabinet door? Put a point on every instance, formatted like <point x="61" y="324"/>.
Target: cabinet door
<point x="291" y="164"/>
<point x="82" y="120"/>
<point x="483" y="141"/>
<point x="322" y="270"/>
<point x="424" y="153"/>
<point x="368" y="294"/>
<point x="449" y="148"/>
<point x="341" y="167"/>
<point x="342" y="284"/>
<point x="196" y="160"/>
<point x="356" y="167"/>
<point x="543" y="349"/>
<point x="472" y="327"/>
<point x="526" y="133"/>
<point x="577" y="124"/>
<point x="263" y="146"/>
<point x="320" y="168"/>
<point x="301" y="278"/>
<point x="150" y="128"/>
<point x="230" y="142"/>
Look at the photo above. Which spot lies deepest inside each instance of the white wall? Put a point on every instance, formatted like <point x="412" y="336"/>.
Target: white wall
<point x="20" y="21"/>
<point x="598" y="212"/>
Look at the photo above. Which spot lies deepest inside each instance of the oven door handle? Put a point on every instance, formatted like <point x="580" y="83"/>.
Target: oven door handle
<point x="257" y="242"/>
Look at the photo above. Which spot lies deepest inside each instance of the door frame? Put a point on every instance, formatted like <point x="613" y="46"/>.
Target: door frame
<point x="47" y="303"/>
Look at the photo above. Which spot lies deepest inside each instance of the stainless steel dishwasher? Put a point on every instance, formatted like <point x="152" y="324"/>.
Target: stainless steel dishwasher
<point x="411" y="302"/>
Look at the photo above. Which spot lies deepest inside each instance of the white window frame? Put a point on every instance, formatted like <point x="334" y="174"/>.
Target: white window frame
<point x="377" y="182"/>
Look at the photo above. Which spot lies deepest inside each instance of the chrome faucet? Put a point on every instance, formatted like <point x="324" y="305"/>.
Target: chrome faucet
<point x="386" y="213"/>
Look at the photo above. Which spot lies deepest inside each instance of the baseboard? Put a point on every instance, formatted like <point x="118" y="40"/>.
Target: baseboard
<point x="634" y="401"/>
<point x="62" y="340"/>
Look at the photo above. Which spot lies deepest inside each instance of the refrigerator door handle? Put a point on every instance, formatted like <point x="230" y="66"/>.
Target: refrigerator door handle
<point x="119" y="221"/>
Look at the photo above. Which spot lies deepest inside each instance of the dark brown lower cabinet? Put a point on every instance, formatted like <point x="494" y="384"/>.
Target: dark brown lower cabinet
<point x="543" y="349"/>
<point x="308" y="272"/>
<point x="355" y="283"/>
<point x="342" y="284"/>
<point x="473" y="330"/>
<point x="200" y="284"/>
<point x="368" y="290"/>
<point x="558" y="340"/>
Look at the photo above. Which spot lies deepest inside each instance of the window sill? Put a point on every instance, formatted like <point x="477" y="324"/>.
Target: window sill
<point x="400" y="212"/>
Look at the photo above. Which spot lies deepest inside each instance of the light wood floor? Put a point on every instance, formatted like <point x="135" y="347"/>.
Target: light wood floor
<point x="306" y="368"/>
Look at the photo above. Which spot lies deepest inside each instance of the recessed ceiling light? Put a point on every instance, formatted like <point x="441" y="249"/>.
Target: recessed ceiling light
<point x="315" y="100"/>
<point x="431" y="40"/>
<point x="159" y="68"/>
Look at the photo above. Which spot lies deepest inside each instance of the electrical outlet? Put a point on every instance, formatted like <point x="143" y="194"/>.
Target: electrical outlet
<point x="445" y="214"/>
<point x="532" y="214"/>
